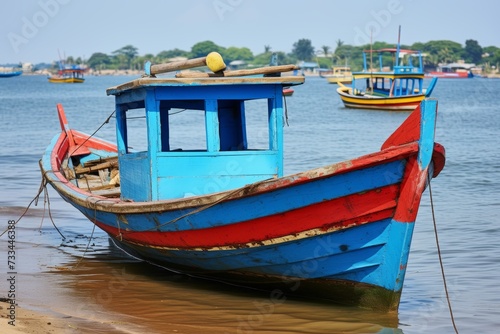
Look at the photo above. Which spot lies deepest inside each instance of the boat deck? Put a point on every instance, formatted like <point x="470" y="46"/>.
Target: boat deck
<point x="98" y="177"/>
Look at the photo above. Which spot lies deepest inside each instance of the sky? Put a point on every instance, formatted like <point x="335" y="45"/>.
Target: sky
<point x="38" y="31"/>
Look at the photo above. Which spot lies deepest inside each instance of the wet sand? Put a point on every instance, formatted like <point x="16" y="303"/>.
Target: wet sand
<point x="29" y="321"/>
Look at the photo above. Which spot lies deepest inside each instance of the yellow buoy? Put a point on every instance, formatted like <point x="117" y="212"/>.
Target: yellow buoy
<point x="215" y="62"/>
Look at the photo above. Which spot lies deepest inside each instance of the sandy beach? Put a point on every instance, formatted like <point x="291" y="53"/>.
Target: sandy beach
<point x="28" y="321"/>
<point x="36" y="322"/>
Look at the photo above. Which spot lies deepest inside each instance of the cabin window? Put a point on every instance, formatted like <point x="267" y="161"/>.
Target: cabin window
<point x="214" y="125"/>
<point x="186" y="130"/>
<point x="137" y="134"/>
<point x="257" y="124"/>
<point x="200" y="125"/>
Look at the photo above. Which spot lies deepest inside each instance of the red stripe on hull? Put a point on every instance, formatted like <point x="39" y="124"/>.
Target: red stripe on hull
<point x="356" y="209"/>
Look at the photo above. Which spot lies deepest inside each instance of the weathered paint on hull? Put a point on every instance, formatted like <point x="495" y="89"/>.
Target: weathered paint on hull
<point x="357" y="257"/>
<point x="338" y="289"/>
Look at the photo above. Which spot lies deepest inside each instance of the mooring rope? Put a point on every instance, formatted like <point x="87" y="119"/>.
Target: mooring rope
<point x="47" y="201"/>
<point x="43" y="188"/>
<point x="440" y="258"/>
<point x="86" y="248"/>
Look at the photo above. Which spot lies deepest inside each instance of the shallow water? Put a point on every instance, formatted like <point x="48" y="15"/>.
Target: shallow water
<point x="112" y="293"/>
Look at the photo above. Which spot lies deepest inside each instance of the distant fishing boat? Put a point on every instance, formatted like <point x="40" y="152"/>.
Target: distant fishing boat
<point x="453" y="71"/>
<point x="339" y="74"/>
<point x="68" y="74"/>
<point x="398" y="85"/>
<point x="225" y="210"/>
<point x="10" y="72"/>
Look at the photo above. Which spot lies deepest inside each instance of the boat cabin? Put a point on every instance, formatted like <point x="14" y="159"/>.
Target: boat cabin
<point x="392" y="72"/>
<point x="75" y="73"/>
<point x="341" y="70"/>
<point x="226" y="154"/>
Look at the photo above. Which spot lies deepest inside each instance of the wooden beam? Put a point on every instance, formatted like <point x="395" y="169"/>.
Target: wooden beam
<point x="237" y="73"/>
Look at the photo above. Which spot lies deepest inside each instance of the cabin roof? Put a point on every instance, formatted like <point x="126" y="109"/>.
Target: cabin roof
<point x="158" y="82"/>
<point x="393" y="50"/>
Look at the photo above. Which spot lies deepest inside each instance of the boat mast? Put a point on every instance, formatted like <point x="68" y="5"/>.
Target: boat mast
<point x="396" y="62"/>
<point x="398" y="46"/>
<point x="371" y="61"/>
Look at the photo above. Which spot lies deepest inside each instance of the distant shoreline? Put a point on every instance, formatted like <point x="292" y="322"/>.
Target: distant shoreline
<point x="141" y="72"/>
<point x="92" y="73"/>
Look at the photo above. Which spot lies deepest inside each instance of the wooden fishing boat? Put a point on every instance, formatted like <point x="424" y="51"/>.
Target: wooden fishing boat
<point x="68" y="74"/>
<point x="397" y="85"/>
<point x="340" y="74"/>
<point x="225" y="210"/>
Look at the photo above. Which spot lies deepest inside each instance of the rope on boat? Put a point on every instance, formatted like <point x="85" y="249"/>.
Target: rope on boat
<point x="47" y="202"/>
<point x="43" y="188"/>
<point x="88" y="243"/>
<point x="286" y="111"/>
<point x="205" y="207"/>
<point x="92" y="135"/>
<point x="440" y="258"/>
<point x="86" y="248"/>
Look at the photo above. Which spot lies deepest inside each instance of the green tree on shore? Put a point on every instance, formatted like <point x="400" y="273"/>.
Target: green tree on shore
<point x="303" y="50"/>
<point x="99" y="60"/>
<point x="125" y="55"/>
<point x="201" y="49"/>
<point x="473" y="53"/>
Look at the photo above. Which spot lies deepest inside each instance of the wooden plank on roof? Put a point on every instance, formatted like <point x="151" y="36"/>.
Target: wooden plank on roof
<point x="145" y="82"/>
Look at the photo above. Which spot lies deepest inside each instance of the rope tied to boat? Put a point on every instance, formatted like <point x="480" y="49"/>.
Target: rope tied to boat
<point x="46" y="204"/>
<point x="286" y="111"/>
<point x="246" y="188"/>
<point x="93" y="133"/>
<point x="439" y="255"/>
<point x="86" y="248"/>
<point x="90" y="238"/>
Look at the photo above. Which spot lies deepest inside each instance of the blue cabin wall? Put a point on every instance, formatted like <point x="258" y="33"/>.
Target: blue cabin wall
<point x="225" y="163"/>
<point x="198" y="173"/>
<point x="135" y="179"/>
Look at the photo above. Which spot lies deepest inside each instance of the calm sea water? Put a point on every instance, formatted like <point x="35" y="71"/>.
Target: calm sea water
<point x="107" y="292"/>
